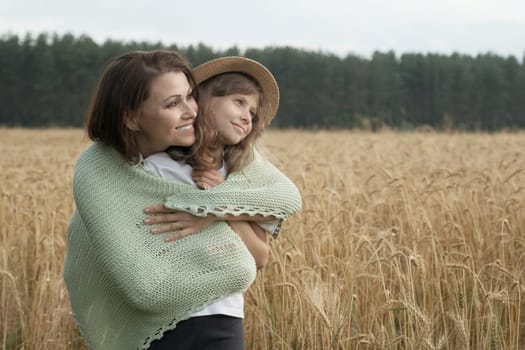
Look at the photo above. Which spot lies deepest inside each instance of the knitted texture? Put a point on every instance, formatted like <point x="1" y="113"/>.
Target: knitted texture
<point x="127" y="286"/>
<point x="265" y="191"/>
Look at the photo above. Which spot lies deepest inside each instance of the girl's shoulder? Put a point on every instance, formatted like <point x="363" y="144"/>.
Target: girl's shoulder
<point x="161" y="164"/>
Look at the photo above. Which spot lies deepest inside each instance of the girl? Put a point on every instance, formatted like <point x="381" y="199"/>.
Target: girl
<point x="234" y="109"/>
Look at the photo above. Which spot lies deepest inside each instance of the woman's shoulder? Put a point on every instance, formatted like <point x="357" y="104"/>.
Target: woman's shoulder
<point x="98" y="151"/>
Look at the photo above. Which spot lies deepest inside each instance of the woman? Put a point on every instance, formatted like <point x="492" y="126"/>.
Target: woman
<point x="126" y="286"/>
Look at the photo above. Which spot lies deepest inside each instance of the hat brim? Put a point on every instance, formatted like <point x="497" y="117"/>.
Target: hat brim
<point x="257" y="71"/>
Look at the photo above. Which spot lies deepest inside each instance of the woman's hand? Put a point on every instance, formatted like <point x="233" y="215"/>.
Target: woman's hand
<point x="182" y="223"/>
<point x="206" y="179"/>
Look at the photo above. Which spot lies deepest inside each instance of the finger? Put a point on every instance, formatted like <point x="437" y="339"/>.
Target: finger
<point x="202" y="172"/>
<point x="210" y="176"/>
<point x="160" y="219"/>
<point x="175" y="226"/>
<point x="197" y="172"/>
<point x="199" y="178"/>
<point x="215" y="177"/>
<point x="167" y="218"/>
<point x="202" y="185"/>
<point x="217" y="180"/>
<point x="176" y="236"/>
<point x="156" y="209"/>
<point x="171" y="238"/>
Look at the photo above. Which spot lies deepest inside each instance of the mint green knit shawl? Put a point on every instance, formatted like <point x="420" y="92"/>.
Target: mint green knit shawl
<point x="126" y="286"/>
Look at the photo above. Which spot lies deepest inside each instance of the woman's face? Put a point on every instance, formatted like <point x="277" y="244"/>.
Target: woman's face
<point x="166" y="118"/>
<point x="233" y="116"/>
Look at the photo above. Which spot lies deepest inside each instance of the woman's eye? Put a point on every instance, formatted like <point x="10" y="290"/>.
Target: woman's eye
<point x="172" y="104"/>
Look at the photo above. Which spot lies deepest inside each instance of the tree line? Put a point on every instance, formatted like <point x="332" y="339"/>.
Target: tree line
<point x="47" y="80"/>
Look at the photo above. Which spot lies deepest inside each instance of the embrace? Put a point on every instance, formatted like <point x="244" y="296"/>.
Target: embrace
<point x="174" y="204"/>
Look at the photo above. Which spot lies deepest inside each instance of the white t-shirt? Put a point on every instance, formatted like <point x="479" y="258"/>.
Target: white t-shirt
<point x="163" y="165"/>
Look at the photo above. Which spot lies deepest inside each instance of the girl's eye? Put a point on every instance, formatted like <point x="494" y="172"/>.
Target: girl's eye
<point x="172" y="104"/>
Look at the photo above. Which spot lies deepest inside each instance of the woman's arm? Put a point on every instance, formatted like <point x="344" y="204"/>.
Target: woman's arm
<point x="184" y="224"/>
<point x="187" y="224"/>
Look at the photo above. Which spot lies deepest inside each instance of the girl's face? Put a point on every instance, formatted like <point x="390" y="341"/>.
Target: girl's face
<point x="166" y="117"/>
<point x="233" y="116"/>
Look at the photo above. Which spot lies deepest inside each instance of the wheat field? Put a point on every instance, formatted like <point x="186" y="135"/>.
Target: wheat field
<point x="405" y="241"/>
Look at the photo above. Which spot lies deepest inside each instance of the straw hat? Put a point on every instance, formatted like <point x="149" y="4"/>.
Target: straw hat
<point x="247" y="66"/>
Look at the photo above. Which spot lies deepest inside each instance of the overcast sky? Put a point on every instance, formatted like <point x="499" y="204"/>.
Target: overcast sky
<point x="341" y="27"/>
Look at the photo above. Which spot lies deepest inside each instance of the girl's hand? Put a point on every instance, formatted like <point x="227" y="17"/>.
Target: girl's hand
<point x="206" y="179"/>
<point x="182" y="223"/>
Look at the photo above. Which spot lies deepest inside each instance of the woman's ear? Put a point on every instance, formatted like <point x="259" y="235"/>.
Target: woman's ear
<point x="131" y="121"/>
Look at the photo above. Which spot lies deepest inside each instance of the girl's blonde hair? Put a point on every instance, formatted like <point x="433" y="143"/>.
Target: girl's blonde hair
<point x="207" y="152"/>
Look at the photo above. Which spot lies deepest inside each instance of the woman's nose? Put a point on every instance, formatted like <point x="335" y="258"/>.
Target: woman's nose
<point x="191" y="110"/>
